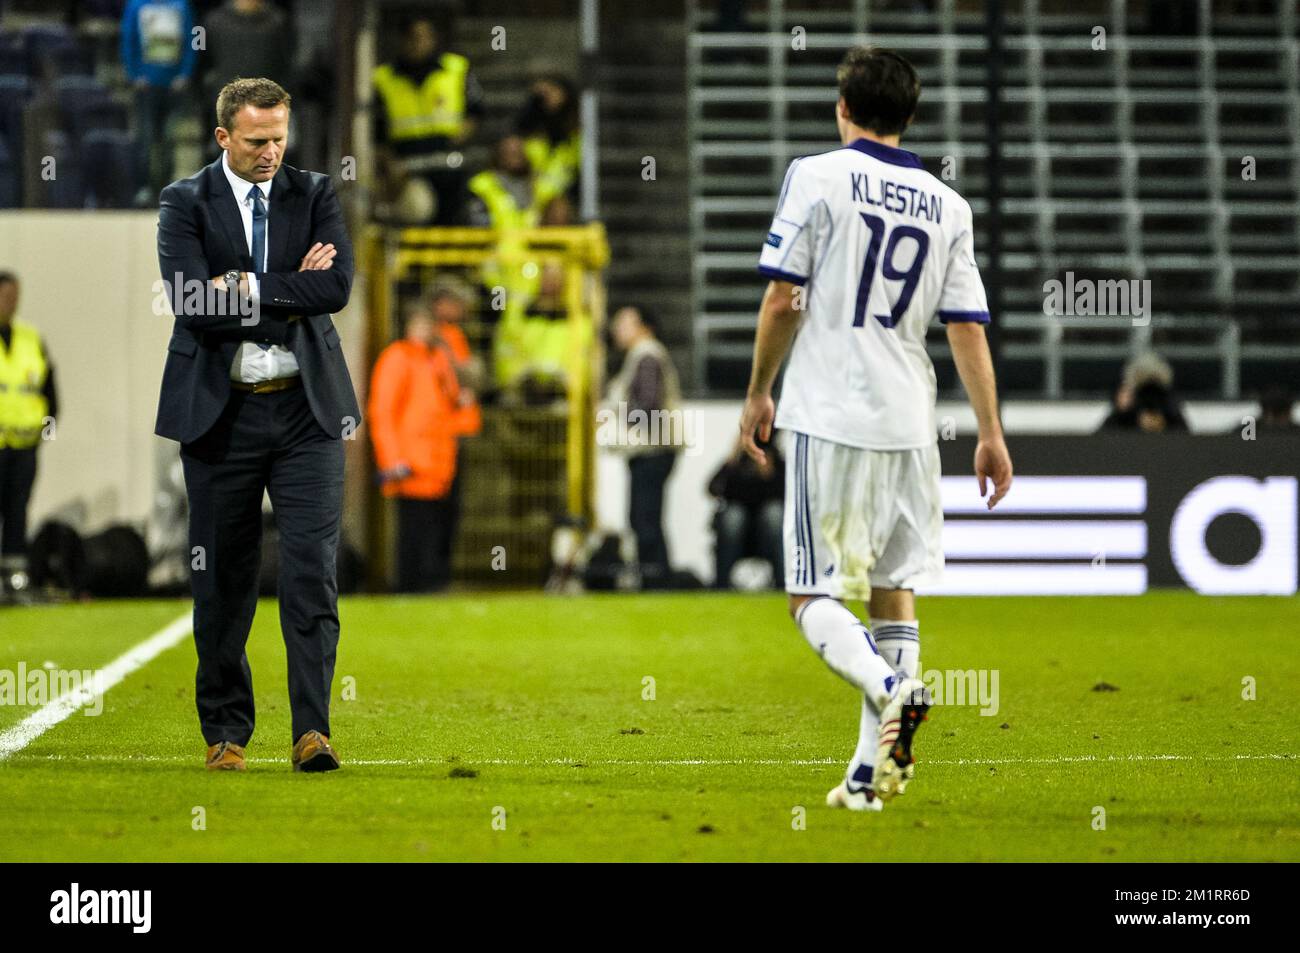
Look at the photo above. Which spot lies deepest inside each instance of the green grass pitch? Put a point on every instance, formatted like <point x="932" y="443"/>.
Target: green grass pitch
<point x="529" y="713"/>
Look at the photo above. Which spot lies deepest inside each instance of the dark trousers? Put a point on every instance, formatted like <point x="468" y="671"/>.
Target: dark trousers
<point x="423" y="544"/>
<point x="264" y="442"/>
<point x="453" y="516"/>
<point x="17" y="474"/>
<point x="747" y="531"/>
<point x="154" y="106"/>
<point x="649" y="473"/>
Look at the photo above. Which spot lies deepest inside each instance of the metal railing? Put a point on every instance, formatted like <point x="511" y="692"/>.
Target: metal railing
<point x="1161" y="125"/>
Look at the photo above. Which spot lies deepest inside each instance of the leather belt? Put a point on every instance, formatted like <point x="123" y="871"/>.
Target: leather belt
<point x="268" y="387"/>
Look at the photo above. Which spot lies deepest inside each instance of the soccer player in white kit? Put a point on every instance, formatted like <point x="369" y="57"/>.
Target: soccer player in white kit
<point x="865" y="249"/>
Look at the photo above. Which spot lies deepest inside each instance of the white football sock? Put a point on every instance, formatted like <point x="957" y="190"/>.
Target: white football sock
<point x="900" y="644"/>
<point x="844" y="643"/>
<point x="863" y="764"/>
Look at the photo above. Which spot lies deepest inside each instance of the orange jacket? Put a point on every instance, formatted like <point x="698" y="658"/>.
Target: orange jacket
<point x="414" y="418"/>
<point x="469" y="419"/>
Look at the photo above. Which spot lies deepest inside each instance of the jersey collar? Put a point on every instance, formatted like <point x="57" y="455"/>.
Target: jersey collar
<point x="884" y="153"/>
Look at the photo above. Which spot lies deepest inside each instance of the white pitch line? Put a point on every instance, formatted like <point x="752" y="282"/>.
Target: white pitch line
<point x="15" y="739"/>
<point x="672" y="762"/>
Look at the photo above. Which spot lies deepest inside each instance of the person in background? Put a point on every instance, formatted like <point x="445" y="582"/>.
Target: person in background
<point x="510" y="199"/>
<point x="158" y="57"/>
<point x="244" y="38"/>
<point x="552" y="137"/>
<point x="537" y="340"/>
<point x="750" y="499"/>
<point x="508" y="195"/>
<point x="28" y="402"/>
<point x="1144" y="399"/>
<point x="413" y="409"/>
<point x="645" y="388"/>
<point x="1275" y="408"/>
<point x="427" y="103"/>
<point x="448" y="308"/>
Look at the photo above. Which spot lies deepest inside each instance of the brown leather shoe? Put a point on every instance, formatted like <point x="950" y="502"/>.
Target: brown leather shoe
<point x="312" y="752"/>
<point x="226" y="756"/>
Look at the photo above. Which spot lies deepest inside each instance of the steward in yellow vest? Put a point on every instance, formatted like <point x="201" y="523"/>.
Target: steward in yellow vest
<point x="27" y="399"/>
<point x="540" y="343"/>
<point x="426" y="103"/>
<point x="432" y="107"/>
<point x="23" y="374"/>
<point x="510" y="199"/>
<point x="552" y="136"/>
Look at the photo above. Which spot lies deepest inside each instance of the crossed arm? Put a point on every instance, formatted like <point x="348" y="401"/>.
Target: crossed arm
<point x="316" y="287"/>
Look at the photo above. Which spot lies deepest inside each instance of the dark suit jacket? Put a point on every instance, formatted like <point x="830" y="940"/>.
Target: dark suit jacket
<point x="201" y="236"/>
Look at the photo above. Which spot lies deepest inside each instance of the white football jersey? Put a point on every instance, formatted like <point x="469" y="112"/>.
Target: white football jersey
<point x="881" y="247"/>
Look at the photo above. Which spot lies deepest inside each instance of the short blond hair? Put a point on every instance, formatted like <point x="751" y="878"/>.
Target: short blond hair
<point x="238" y="93"/>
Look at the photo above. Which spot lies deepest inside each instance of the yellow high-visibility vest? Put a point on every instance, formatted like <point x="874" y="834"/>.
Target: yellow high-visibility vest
<point x="536" y="345"/>
<point x="555" y="164"/>
<point x="503" y="210"/>
<point x="512" y="265"/>
<point x="434" y="108"/>
<point x="23" y="407"/>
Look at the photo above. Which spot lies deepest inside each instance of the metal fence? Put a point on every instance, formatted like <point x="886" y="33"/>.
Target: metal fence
<point x="1170" y="159"/>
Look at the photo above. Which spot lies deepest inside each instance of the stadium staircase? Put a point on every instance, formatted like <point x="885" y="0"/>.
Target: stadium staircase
<point x="1122" y="164"/>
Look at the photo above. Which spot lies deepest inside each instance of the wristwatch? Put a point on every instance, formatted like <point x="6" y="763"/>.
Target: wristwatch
<point x="231" y="278"/>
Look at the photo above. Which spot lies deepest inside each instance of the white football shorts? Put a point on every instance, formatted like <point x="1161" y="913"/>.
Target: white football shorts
<point x="857" y="519"/>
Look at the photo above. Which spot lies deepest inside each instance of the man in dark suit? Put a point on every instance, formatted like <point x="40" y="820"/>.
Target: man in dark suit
<point x="256" y="257"/>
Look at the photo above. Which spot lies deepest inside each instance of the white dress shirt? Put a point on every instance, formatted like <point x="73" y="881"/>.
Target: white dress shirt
<point x="252" y="363"/>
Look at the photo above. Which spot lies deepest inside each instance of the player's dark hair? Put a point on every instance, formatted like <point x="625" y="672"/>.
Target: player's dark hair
<point x="880" y="88"/>
<point x="235" y="95"/>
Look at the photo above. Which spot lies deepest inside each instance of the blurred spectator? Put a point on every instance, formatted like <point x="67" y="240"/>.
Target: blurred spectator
<point x="645" y="391"/>
<point x="244" y="38"/>
<point x="427" y="102"/>
<point x="1144" y="399"/>
<point x="413" y="413"/>
<point x="508" y="198"/>
<point x="750" y="505"/>
<point x="536" y="340"/>
<point x="508" y="195"/>
<point x="552" y="135"/>
<point x="27" y="399"/>
<point x="159" y="60"/>
<point x="1275" y="409"/>
<point x="448" y="308"/>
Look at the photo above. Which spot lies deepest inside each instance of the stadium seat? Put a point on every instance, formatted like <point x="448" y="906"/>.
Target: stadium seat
<point x="14" y="93"/>
<point x="66" y="189"/>
<point x="46" y="44"/>
<point x="13" y="58"/>
<point x="106" y="158"/>
<point x="10" y="185"/>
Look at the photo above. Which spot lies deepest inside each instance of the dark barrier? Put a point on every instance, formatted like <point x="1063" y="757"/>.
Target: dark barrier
<point x="1118" y="513"/>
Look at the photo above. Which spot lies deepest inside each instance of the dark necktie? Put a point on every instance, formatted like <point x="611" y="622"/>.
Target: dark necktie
<point x="259" y="230"/>
<point x="259" y="235"/>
